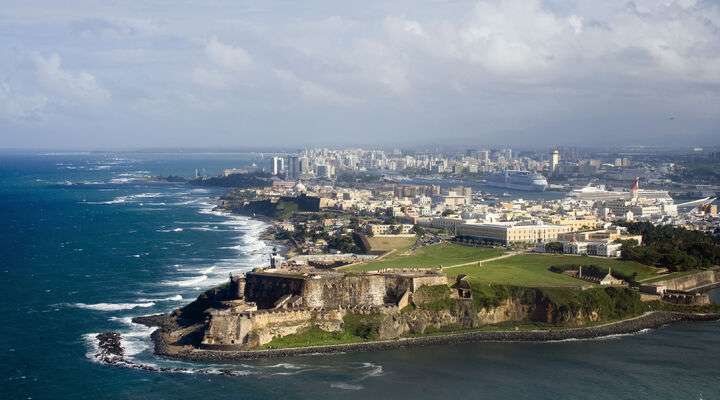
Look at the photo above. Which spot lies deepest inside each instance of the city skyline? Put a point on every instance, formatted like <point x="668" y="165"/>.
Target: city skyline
<point x="91" y="75"/>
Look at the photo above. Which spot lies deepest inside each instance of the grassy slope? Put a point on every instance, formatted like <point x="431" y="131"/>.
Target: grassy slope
<point x="439" y="255"/>
<point x="532" y="270"/>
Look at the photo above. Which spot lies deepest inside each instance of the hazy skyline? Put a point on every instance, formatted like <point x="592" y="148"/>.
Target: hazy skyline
<point x="81" y="74"/>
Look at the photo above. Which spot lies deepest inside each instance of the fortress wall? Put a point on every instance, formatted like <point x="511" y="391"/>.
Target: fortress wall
<point x="429" y="280"/>
<point x="396" y="286"/>
<point x="690" y="282"/>
<point x="265" y="290"/>
<point x="226" y="328"/>
<point x="256" y="328"/>
<point x="346" y="291"/>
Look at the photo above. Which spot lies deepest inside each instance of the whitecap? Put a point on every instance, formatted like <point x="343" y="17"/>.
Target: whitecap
<point x="207" y="270"/>
<point x="346" y="386"/>
<point x="170" y="230"/>
<point x="112" y="306"/>
<point x="187" y="282"/>
<point x="171" y="298"/>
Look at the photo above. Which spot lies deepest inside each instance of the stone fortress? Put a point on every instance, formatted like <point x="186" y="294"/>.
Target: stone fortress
<point x="281" y="300"/>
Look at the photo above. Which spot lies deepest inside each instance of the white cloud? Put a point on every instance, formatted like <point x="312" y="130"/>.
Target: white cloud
<point x="227" y="56"/>
<point x="501" y="64"/>
<point x="312" y="91"/>
<point x="225" y="65"/>
<point x="71" y="86"/>
<point x="15" y="107"/>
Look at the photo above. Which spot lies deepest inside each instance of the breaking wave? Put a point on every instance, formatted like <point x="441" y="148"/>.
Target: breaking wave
<point x="112" y="306"/>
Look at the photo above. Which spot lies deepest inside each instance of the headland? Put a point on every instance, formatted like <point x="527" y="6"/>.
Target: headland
<point x="283" y="311"/>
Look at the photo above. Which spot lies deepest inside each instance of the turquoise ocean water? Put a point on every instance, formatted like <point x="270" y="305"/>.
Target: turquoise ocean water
<point x="85" y="247"/>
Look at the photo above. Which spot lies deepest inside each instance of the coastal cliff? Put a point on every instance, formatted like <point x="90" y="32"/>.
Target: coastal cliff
<point x="302" y="310"/>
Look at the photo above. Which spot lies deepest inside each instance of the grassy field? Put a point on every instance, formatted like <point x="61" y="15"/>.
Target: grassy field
<point x="532" y="270"/>
<point x="439" y="255"/>
<point x="390" y="243"/>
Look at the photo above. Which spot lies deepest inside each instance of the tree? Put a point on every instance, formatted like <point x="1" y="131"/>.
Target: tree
<point x="554" y="247"/>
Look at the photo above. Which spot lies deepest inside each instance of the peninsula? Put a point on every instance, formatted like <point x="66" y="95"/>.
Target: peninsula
<point x="370" y="262"/>
<point x="286" y="309"/>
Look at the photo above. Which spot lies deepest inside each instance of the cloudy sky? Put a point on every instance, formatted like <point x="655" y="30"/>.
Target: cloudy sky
<point x="118" y="74"/>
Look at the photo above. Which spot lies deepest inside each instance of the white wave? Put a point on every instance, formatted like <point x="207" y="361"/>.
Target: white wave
<point x="170" y="230"/>
<point x="92" y="345"/>
<point x="286" y="366"/>
<point x="192" y="282"/>
<point x="346" y="386"/>
<point x="606" y="337"/>
<point x="117" y="200"/>
<point x="207" y="270"/>
<point x="112" y="306"/>
<point x="135" y="338"/>
<point x="122" y="180"/>
<point x="146" y="195"/>
<point x="375" y="370"/>
<point x="171" y="298"/>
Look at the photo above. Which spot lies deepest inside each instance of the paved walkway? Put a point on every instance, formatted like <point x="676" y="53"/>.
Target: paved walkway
<point x="481" y="262"/>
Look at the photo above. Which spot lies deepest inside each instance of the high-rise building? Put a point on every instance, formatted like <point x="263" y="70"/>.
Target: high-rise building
<point x="554" y="161"/>
<point x="304" y="166"/>
<point x="325" y="171"/>
<point x="277" y="165"/>
<point x="484" y="156"/>
<point x="293" y="168"/>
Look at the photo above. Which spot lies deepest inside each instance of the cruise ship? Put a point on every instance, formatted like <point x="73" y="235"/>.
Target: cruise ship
<point x="599" y="193"/>
<point x="518" y="180"/>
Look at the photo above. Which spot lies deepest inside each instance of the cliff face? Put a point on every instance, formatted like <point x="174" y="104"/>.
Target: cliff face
<point x="218" y="321"/>
<point x="436" y="313"/>
<point x="434" y="309"/>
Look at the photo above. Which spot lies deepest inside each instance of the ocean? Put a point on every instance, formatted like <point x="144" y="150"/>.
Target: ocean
<point x="86" y="246"/>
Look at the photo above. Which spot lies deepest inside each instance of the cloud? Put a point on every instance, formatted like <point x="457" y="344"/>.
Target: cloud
<point x="79" y="86"/>
<point x="312" y="91"/>
<point x="224" y="65"/>
<point x="463" y="69"/>
<point x="18" y="108"/>
<point x="227" y="56"/>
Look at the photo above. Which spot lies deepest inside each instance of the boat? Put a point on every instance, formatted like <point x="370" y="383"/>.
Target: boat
<point x="599" y="193"/>
<point x="518" y="180"/>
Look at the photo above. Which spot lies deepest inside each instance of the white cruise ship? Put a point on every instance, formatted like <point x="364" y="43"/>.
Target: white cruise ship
<point x="518" y="180"/>
<point x="599" y="193"/>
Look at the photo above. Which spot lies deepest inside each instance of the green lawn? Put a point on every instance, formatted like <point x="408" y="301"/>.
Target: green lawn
<point x="439" y="255"/>
<point x="532" y="270"/>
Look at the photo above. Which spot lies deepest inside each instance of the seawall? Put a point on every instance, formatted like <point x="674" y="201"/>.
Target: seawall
<point x="648" y="320"/>
<point x="696" y="281"/>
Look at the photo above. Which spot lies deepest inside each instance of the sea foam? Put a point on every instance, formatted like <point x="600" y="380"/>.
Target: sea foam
<point x="113" y="306"/>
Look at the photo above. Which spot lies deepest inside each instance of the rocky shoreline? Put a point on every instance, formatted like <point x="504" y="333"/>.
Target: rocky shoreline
<point x="650" y="320"/>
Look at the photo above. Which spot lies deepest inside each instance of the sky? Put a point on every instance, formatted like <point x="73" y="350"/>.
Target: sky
<point x="233" y="74"/>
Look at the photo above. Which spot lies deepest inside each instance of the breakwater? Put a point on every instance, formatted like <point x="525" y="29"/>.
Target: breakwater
<point x="648" y="320"/>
